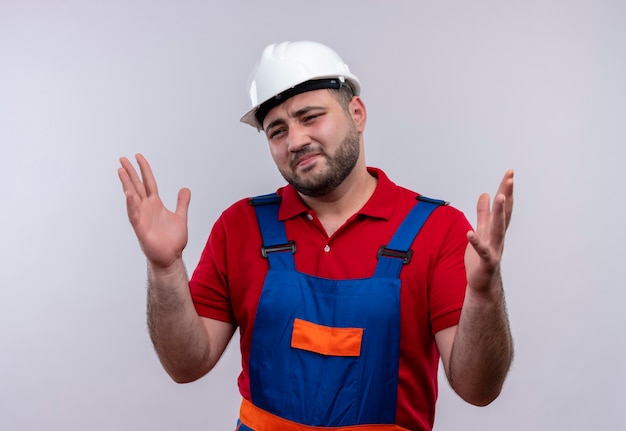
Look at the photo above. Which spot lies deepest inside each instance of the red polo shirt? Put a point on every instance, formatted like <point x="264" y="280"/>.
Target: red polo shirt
<point x="228" y="280"/>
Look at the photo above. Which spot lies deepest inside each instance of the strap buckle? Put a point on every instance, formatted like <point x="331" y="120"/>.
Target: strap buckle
<point x="291" y="245"/>
<point x="397" y="254"/>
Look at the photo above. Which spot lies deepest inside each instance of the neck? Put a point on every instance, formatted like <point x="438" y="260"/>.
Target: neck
<point x="335" y="208"/>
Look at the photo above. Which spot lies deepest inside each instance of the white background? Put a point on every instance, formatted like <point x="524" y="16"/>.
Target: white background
<point x="457" y="92"/>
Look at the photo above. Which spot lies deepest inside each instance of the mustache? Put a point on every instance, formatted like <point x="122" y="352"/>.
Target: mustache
<point x="297" y="156"/>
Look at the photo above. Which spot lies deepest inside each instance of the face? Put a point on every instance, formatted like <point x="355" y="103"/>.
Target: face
<point x="314" y="142"/>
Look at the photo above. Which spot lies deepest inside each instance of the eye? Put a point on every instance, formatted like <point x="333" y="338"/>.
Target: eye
<point x="310" y="118"/>
<point x="276" y="133"/>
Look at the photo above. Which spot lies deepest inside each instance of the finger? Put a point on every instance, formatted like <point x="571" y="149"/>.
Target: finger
<point x="147" y="175"/>
<point x="506" y="185"/>
<point x="506" y="189"/>
<point x="135" y="181"/>
<point x="130" y="190"/>
<point x="481" y="248"/>
<point x="182" y="204"/>
<point x="132" y="199"/>
<point x="483" y="214"/>
<point x="127" y="184"/>
<point x="498" y="221"/>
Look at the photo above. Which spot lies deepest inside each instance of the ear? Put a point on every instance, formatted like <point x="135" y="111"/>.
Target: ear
<point x="358" y="113"/>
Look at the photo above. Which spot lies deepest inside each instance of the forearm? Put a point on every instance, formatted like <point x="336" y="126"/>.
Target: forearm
<point x="176" y="330"/>
<point x="483" y="348"/>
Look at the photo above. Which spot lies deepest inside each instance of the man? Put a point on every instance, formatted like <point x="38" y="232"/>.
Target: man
<point x="346" y="288"/>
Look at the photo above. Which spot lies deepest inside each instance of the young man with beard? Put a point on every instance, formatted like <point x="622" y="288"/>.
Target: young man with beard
<point x="346" y="288"/>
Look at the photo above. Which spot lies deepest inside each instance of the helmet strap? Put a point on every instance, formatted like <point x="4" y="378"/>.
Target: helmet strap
<point x="316" y="84"/>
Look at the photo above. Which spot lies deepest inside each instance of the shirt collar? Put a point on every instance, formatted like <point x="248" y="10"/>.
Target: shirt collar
<point x="380" y="204"/>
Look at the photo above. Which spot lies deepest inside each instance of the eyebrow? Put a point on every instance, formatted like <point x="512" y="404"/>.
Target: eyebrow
<point x="295" y="114"/>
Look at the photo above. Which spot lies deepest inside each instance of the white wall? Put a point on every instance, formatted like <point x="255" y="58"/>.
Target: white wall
<point x="457" y="92"/>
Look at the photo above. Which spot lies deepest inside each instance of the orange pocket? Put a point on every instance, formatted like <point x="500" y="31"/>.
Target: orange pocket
<point x="326" y="340"/>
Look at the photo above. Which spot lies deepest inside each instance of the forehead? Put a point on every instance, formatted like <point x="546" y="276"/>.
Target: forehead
<point x="290" y="107"/>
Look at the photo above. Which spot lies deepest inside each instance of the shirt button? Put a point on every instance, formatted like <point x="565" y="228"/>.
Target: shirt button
<point x="327" y="248"/>
<point x="309" y="216"/>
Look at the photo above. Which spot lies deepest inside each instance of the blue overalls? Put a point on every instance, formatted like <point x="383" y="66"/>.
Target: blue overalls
<point x="325" y="352"/>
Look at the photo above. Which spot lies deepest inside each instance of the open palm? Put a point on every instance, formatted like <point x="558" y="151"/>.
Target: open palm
<point x="486" y="244"/>
<point x="162" y="234"/>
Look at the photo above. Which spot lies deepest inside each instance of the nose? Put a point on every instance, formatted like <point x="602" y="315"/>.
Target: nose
<point x="297" y="138"/>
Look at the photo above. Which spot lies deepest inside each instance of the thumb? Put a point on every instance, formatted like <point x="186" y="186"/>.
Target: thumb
<point x="182" y="204"/>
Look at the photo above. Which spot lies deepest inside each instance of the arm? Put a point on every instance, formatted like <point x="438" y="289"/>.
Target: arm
<point x="477" y="353"/>
<point x="188" y="345"/>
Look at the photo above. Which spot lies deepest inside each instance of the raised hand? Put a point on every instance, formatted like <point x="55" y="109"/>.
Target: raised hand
<point x="486" y="243"/>
<point x="162" y="234"/>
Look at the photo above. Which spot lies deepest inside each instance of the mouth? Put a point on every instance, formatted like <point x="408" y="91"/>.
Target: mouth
<point x="305" y="160"/>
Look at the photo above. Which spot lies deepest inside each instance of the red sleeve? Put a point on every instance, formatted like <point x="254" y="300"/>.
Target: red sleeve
<point x="228" y="280"/>
<point x="208" y="284"/>
<point x="448" y="279"/>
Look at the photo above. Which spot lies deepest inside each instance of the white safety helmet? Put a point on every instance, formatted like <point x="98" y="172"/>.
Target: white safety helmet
<point x="290" y="68"/>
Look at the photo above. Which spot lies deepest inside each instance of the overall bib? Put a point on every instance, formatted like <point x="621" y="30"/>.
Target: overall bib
<point x="325" y="352"/>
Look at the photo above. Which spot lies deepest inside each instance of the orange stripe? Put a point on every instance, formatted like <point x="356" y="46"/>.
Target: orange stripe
<point x="326" y="340"/>
<point x="260" y="420"/>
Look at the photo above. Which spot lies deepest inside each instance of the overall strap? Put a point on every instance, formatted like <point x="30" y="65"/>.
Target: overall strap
<point x="276" y="248"/>
<point x="398" y="252"/>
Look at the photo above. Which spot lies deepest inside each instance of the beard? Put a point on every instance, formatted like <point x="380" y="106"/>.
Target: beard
<point x="338" y="167"/>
